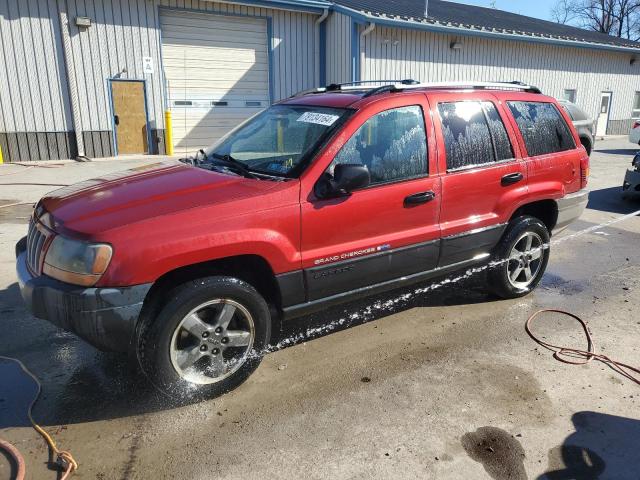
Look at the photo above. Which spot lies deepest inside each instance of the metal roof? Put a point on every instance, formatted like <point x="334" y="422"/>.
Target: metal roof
<point x="479" y="19"/>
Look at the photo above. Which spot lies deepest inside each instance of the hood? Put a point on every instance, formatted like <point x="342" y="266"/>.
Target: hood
<point x="141" y="193"/>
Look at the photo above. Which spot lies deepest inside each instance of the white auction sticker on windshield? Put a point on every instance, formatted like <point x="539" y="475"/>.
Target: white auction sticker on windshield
<point x="318" y="118"/>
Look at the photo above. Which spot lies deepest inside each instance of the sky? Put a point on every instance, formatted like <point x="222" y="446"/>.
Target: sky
<point x="536" y="8"/>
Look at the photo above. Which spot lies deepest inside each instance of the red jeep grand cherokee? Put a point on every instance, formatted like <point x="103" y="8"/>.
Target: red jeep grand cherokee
<point x="335" y="193"/>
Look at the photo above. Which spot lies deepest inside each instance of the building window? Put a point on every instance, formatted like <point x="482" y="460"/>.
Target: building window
<point x="543" y="128"/>
<point x="391" y="144"/>
<point x="569" y="94"/>
<point x="636" y="106"/>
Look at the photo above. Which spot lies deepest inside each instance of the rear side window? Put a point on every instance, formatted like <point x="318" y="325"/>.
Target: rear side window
<point x="391" y="144"/>
<point x="473" y="134"/>
<point x="543" y="128"/>
<point x="498" y="132"/>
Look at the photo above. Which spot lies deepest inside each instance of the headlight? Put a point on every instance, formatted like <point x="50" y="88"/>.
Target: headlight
<point x="76" y="262"/>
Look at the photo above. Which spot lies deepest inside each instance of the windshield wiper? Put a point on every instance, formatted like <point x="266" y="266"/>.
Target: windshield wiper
<point x="233" y="164"/>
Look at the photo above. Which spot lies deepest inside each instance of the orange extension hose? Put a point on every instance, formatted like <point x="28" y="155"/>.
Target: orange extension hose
<point x="64" y="458"/>
<point x="575" y="356"/>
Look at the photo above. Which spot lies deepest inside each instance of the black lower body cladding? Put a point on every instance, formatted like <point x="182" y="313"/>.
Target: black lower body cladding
<point x="104" y="317"/>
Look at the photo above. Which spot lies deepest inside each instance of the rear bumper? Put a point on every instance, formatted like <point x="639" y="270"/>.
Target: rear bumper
<point x="631" y="185"/>
<point x="104" y="317"/>
<point x="570" y="207"/>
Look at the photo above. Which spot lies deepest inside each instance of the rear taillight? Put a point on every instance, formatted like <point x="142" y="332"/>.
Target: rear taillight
<point x="635" y="125"/>
<point x="584" y="172"/>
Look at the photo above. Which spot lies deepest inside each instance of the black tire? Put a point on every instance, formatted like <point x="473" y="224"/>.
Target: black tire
<point x="498" y="277"/>
<point x="156" y="336"/>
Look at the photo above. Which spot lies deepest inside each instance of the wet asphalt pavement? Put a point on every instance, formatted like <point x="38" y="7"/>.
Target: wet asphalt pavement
<point x="444" y="385"/>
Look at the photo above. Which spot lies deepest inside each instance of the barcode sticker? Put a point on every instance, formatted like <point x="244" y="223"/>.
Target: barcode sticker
<point x="318" y="118"/>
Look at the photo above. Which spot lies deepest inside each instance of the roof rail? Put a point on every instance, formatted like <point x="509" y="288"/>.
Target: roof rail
<point x="401" y="85"/>
<point x="472" y="85"/>
<point x="359" y="85"/>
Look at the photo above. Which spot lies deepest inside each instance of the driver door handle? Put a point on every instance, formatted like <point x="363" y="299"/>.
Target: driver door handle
<point x="511" y="178"/>
<point x="419" y="198"/>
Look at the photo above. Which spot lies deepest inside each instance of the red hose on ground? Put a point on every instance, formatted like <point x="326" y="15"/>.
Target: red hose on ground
<point x="17" y="458"/>
<point x="565" y="354"/>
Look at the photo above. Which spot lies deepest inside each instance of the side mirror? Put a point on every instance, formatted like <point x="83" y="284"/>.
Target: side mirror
<point x="347" y="177"/>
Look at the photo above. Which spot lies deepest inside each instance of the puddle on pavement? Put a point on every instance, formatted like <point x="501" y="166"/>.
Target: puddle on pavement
<point x="15" y="214"/>
<point x="551" y="281"/>
<point x="501" y="455"/>
<point x="17" y="390"/>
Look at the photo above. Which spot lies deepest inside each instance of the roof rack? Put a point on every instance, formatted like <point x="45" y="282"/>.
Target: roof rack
<point x="351" y="86"/>
<point x="401" y="85"/>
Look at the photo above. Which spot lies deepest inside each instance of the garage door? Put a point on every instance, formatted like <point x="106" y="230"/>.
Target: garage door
<point x="217" y="73"/>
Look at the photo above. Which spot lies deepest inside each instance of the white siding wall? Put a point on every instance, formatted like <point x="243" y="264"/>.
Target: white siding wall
<point x="427" y="56"/>
<point x="122" y="32"/>
<point x="32" y="77"/>
<point x="338" y="48"/>
<point x="34" y="93"/>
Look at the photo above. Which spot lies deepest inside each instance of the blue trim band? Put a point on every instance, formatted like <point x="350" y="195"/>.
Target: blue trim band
<point x="323" y="54"/>
<point x="270" y="57"/>
<point x="355" y="52"/>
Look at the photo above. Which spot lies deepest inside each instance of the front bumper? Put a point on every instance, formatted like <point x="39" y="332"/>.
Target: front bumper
<point x="104" y="317"/>
<point x="631" y="185"/>
<point x="570" y="207"/>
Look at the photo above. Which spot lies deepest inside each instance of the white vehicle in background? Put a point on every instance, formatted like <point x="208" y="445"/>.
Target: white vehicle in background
<point x="634" y="133"/>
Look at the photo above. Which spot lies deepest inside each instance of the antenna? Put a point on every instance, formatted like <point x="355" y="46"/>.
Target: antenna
<point x="426" y="8"/>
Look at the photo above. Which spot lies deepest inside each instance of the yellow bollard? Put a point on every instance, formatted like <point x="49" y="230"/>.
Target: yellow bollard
<point x="168" y="135"/>
<point x="1" y="160"/>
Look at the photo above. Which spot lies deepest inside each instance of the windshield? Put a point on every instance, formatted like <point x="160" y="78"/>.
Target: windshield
<point x="278" y="139"/>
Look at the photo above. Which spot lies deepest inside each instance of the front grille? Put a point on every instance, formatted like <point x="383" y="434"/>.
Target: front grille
<point x="36" y="242"/>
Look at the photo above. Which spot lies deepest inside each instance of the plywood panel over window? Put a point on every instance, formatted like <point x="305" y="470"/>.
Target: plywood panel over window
<point x="217" y="73"/>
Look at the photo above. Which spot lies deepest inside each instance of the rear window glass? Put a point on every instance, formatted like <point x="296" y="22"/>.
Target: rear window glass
<point x="543" y="128"/>
<point x="473" y="134"/>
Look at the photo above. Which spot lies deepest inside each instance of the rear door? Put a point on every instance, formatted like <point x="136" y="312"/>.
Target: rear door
<point x="484" y="173"/>
<point x="549" y="146"/>
<point x="389" y="229"/>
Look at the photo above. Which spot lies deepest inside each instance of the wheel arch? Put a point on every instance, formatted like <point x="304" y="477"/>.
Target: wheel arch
<point x="587" y="143"/>
<point x="545" y="210"/>
<point x="253" y="269"/>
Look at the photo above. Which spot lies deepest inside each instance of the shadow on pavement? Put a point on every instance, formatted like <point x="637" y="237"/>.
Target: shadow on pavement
<point x="603" y="446"/>
<point x="80" y="383"/>
<point x="610" y="200"/>
<point x="619" y="151"/>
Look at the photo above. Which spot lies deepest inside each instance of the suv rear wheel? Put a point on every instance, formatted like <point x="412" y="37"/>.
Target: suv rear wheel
<point x="521" y="258"/>
<point x="207" y="338"/>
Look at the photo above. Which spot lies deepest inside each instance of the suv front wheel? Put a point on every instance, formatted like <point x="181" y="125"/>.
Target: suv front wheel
<point x="520" y="258"/>
<point x="207" y="339"/>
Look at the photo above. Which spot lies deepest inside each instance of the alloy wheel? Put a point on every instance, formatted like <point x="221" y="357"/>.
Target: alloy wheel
<point x="525" y="260"/>
<point x="212" y="341"/>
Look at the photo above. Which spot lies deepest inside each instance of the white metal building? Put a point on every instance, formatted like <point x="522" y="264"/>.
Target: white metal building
<point x="95" y="77"/>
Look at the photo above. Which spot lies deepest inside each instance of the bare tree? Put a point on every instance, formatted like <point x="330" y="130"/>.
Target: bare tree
<point x="619" y="18"/>
<point x="562" y="12"/>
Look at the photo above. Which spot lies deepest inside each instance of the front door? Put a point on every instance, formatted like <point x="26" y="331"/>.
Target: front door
<point x="603" y="115"/>
<point x="129" y="116"/>
<point x="390" y="228"/>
